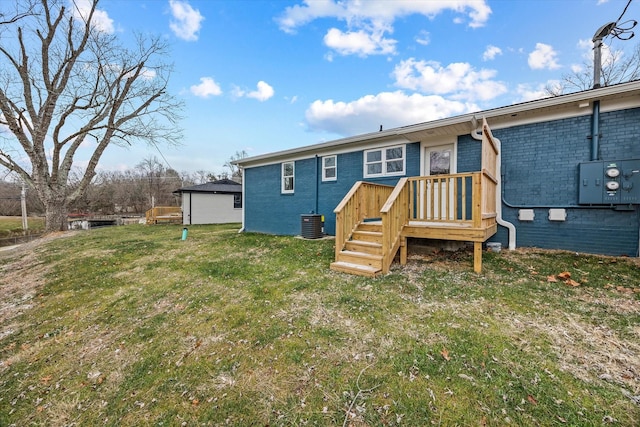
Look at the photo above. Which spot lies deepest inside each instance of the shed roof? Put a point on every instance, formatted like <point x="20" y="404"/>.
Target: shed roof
<point x="222" y="186"/>
<point x="573" y="104"/>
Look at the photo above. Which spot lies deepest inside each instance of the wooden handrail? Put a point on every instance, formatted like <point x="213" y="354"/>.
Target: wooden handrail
<point x="364" y="200"/>
<point x="465" y="200"/>
<point x="348" y="196"/>
<point x="442" y="198"/>
<point x="395" y="215"/>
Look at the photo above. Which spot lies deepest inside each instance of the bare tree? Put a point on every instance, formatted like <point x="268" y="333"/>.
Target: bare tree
<point x="200" y="176"/>
<point x="66" y="82"/>
<point x="160" y="182"/>
<point x="236" y="172"/>
<point x="618" y="67"/>
<point x="20" y="10"/>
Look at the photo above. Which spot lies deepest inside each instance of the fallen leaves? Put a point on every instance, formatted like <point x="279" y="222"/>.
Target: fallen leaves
<point x="565" y="276"/>
<point x="571" y="282"/>
<point x="623" y="289"/>
<point x="445" y="354"/>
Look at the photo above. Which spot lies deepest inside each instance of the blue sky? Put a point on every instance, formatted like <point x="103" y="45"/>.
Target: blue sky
<point x="265" y="76"/>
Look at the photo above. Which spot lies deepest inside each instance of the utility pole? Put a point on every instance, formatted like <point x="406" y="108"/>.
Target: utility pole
<point x="23" y="204"/>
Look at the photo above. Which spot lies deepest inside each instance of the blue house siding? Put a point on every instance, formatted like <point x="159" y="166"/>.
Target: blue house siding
<point x="269" y="211"/>
<point x="350" y="170"/>
<point x="540" y="171"/>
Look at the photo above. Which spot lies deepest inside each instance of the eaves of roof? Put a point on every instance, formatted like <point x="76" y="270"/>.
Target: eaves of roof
<point x="212" y="188"/>
<point x="459" y="124"/>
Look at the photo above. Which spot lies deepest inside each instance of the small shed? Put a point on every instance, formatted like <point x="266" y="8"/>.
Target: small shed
<point x="216" y="202"/>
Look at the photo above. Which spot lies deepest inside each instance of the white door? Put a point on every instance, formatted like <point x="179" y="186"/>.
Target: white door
<point x="439" y="160"/>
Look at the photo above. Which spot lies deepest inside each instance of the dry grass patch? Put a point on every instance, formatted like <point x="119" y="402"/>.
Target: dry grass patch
<point x="229" y="329"/>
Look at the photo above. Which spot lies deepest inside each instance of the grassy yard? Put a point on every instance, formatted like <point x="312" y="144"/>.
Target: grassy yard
<point x="12" y="225"/>
<point x="130" y="326"/>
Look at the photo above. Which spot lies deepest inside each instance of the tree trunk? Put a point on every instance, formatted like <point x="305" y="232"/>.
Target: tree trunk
<point x="55" y="217"/>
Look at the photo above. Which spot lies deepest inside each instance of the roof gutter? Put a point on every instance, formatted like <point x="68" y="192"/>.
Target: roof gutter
<point x="577" y="97"/>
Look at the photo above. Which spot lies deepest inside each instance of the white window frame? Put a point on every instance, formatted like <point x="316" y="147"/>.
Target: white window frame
<point x="383" y="161"/>
<point x="325" y="168"/>
<point x="284" y="177"/>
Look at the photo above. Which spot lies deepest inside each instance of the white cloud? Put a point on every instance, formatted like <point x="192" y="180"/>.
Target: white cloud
<point x="207" y="87"/>
<point x="424" y="38"/>
<point x="296" y="16"/>
<point x="145" y="73"/>
<point x="491" y="52"/>
<point x="387" y="11"/>
<point x="543" y="57"/>
<point x="263" y="92"/>
<point x="460" y="80"/>
<point x="529" y="93"/>
<point x="389" y="109"/>
<point x="576" y="68"/>
<point x="186" y="20"/>
<point x="359" y="42"/>
<point x="100" y="21"/>
<point x="368" y="21"/>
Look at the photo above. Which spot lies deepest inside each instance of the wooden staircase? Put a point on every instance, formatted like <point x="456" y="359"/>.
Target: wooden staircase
<point x="373" y="221"/>
<point x="362" y="254"/>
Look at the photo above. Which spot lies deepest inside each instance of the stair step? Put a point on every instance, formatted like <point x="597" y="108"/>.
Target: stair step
<point x="367" y="236"/>
<point x="361" y="270"/>
<point x="361" y="258"/>
<point x="370" y="226"/>
<point x="373" y="248"/>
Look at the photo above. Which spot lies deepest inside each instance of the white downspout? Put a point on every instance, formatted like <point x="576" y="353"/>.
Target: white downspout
<point x="244" y="200"/>
<point x="512" y="228"/>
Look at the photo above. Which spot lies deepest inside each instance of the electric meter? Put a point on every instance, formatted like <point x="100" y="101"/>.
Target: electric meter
<point x="613" y="172"/>
<point x="613" y="185"/>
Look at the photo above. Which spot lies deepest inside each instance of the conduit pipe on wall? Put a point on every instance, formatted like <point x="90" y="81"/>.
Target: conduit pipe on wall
<point x="512" y="228"/>
<point x="595" y="131"/>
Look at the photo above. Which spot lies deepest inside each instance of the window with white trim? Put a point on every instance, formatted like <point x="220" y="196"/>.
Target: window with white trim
<point x="329" y="168"/>
<point x="288" y="176"/>
<point x="388" y="161"/>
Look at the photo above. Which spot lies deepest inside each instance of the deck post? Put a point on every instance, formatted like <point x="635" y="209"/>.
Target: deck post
<point x="339" y="240"/>
<point x="403" y="250"/>
<point x="477" y="257"/>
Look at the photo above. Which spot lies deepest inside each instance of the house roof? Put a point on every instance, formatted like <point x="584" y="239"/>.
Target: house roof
<point x="624" y="95"/>
<point x="221" y="186"/>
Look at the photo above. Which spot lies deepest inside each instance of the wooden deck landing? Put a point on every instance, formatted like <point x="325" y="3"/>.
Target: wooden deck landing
<point x="164" y="214"/>
<point x="459" y="207"/>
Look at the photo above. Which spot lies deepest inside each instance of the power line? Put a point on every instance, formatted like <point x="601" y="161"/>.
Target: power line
<point x="622" y="30"/>
<point x="624" y="11"/>
<point x="162" y="155"/>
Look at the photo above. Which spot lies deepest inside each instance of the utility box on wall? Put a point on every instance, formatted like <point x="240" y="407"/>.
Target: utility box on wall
<point x="615" y="182"/>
